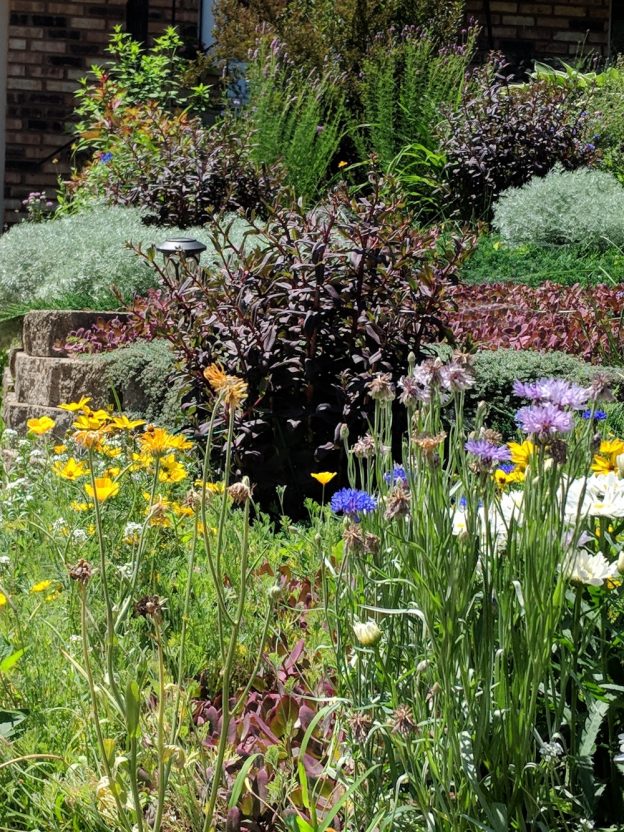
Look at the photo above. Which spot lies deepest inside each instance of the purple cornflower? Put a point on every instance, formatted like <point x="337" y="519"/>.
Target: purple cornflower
<point x="598" y="415"/>
<point x="557" y="391"/>
<point x="352" y="502"/>
<point x="397" y="475"/>
<point x="544" y="419"/>
<point x="487" y="452"/>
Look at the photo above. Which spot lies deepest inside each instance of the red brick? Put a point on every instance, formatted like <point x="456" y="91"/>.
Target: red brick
<point x="500" y="6"/>
<point x="553" y="22"/>
<point x="535" y="8"/>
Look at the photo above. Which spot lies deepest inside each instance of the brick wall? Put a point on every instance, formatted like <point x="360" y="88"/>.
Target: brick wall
<point x="51" y="45"/>
<point x="525" y="30"/>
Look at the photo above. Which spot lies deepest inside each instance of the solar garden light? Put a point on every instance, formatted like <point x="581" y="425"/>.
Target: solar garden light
<point x="179" y="251"/>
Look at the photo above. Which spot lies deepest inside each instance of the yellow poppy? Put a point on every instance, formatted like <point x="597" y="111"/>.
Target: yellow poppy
<point x="73" y="469"/>
<point x="521" y="453"/>
<point x="41" y="425"/>
<point x="182" y="511"/>
<point x="74" y="407"/>
<point x="105" y="487"/>
<point x="171" y="470"/>
<point x="41" y="586"/>
<point x="123" y="423"/>
<point x="324" y="477"/>
<point x="342" y="164"/>
<point x="605" y="459"/>
<point x="3" y="599"/>
<point x="59" y="449"/>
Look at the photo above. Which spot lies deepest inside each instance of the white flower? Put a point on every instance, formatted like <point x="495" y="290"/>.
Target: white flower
<point x="21" y="482"/>
<point x="601" y="495"/>
<point x="79" y="536"/>
<point x="367" y="633"/>
<point x="500" y="515"/>
<point x="5" y="560"/>
<point x="582" y="568"/>
<point x="8" y="436"/>
<point x="125" y="570"/>
<point x="23" y="443"/>
<point x="551" y="751"/>
<point x="619" y="758"/>
<point x="59" y="525"/>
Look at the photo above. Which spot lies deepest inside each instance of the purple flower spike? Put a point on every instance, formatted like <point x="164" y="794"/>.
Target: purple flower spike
<point x="544" y="420"/>
<point x="487" y="452"/>
<point x="352" y="502"/>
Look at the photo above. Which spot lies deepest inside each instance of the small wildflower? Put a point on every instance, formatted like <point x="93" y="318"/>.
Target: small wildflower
<point x="544" y="421"/>
<point x="487" y="453"/>
<point x="123" y="423"/>
<point x="367" y="633"/>
<point x="3" y="600"/>
<point x="171" y="470"/>
<point x="80" y="507"/>
<point x="59" y="449"/>
<point x="397" y="475"/>
<point x="79" y="536"/>
<point x="150" y="606"/>
<point x="596" y="415"/>
<point x="342" y="163"/>
<point x="132" y="533"/>
<point x="41" y="586"/>
<point x="550" y="752"/>
<point x="157" y="441"/>
<point x="40" y="426"/>
<point x="605" y="459"/>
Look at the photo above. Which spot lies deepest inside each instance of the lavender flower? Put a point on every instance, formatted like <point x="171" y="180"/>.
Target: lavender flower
<point x="487" y="452"/>
<point x="544" y="420"/>
<point x="352" y="502"/>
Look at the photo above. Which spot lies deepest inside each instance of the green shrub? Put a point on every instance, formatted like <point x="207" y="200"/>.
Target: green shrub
<point x="142" y="372"/>
<point x="493" y="262"/>
<point x="582" y="206"/>
<point x="77" y="259"/>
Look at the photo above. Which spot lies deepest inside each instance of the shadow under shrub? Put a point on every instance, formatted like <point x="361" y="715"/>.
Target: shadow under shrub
<point x="333" y="296"/>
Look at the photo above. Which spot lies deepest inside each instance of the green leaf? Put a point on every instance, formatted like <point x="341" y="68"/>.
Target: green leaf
<point x="10" y="661"/>
<point x="133" y="708"/>
<point x="240" y="781"/>
<point x="11" y="723"/>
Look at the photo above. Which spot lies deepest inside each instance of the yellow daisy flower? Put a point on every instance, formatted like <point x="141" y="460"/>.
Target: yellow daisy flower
<point x="171" y="470"/>
<point x="123" y="423"/>
<point x="41" y="586"/>
<point x="605" y="459"/>
<point x="59" y="449"/>
<point x="72" y="470"/>
<point x="234" y="389"/>
<point x="74" y="407"/>
<point x="521" y="453"/>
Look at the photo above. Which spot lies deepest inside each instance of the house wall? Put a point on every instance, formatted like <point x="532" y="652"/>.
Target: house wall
<point x="52" y="45"/>
<point x="4" y="45"/>
<point x="525" y="30"/>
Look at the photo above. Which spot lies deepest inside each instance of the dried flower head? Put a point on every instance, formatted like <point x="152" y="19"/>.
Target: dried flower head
<point x="403" y="721"/>
<point x="364" y="448"/>
<point x="240" y="492"/>
<point x="429" y="444"/>
<point x="367" y="633"/>
<point x="398" y="502"/>
<point x="150" y="606"/>
<point x="232" y="388"/>
<point x="354" y="539"/>
<point x="81" y="572"/>
<point x="360" y="724"/>
<point x="381" y="388"/>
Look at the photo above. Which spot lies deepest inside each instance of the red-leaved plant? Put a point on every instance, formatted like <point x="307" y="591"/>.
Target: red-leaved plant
<point x="583" y="321"/>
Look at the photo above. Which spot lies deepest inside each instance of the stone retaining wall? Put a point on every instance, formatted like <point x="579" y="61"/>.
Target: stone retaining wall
<point x="38" y="378"/>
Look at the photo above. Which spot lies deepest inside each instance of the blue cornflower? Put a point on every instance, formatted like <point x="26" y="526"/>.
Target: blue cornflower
<point x="398" y="475"/>
<point x="598" y="415"/>
<point x="352" y="502"/>
<point x="106" y="157"/>
<point x="507" y="467"/>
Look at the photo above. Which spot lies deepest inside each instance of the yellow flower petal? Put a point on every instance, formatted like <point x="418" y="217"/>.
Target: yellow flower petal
<point x="41" y="425"/>
<point x="324" y="477"/>
<point x="74" y="407"/>
<point x="105" y="487"/>
<point x="73" y="469"/>
<point x="41" y="586"/>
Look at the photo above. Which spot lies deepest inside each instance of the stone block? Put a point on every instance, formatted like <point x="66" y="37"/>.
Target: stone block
<point x="16" y="415"/>
<point x="49" y="382"/>
<point x="7" y="381"/>
<point x="42" y="329"/>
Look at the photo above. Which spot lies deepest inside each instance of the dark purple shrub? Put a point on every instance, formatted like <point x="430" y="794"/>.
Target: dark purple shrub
<point x="503" y="134"/>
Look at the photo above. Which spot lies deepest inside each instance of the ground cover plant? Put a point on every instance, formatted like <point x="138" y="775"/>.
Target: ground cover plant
<point x="438" y="646"/>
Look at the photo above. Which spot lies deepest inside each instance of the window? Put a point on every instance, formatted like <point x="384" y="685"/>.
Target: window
<point x="137" y="18"/>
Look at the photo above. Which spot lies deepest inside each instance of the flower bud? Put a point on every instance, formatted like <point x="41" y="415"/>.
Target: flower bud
<point x="620" y="563"/>
<point x="422" y="666"/>
<point x="240" y="492"/>
<point x="619" y="462"/>
<point x="367" y="633"/>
